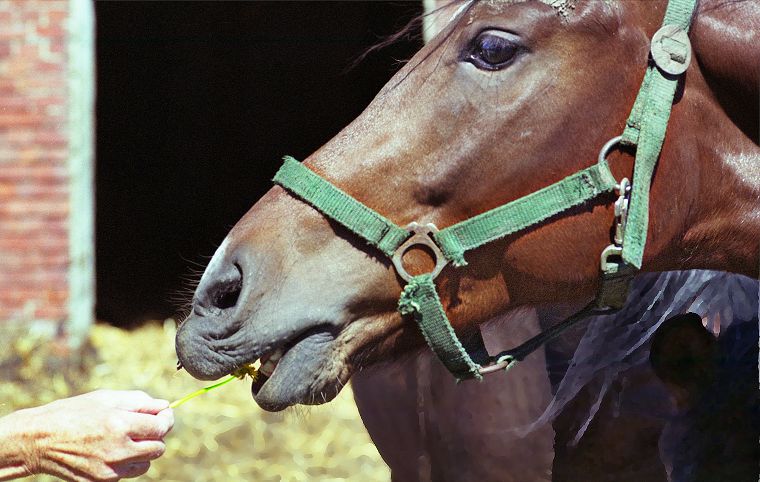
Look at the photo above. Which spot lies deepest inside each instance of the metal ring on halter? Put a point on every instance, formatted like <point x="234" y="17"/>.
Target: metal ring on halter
<point x="421" y="236"/>
<point x="608" y="147"/>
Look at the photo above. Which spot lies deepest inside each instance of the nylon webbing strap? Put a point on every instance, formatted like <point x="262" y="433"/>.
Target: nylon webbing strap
<point x="339" y="206"/>
<point x="524" y="212"/>
<point x="420" y="300"/>
<point x="645" y="129"/>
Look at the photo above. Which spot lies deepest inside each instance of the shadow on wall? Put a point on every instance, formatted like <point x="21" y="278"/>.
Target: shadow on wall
<point x="197" y="103"/>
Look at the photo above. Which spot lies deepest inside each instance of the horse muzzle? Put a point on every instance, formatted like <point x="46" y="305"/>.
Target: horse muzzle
<point x="232" y="324"/>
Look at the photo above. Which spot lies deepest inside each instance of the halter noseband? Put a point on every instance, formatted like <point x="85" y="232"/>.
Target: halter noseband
<point x="645" y="130"/>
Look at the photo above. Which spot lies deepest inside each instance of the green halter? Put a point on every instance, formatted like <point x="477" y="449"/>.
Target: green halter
<point x="645" y="129"/>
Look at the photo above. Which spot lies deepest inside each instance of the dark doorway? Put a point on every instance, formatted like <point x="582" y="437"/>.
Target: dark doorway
<point x="197" y="103"/>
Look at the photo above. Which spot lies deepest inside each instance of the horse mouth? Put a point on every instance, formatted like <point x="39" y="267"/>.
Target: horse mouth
<point x="298" y="371"/>
<point x="303" y="366"/>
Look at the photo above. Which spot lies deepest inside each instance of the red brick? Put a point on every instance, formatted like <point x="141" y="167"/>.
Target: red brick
<point x="50" y="100"/>
<point x="51" y="138"/>
<point x="41" y="279"/>
<point x="34" y="195"/>
<point x="45" y="67"/>
<point x="21" y="205"/>
<point x="16" y="108"/>
<point x="12" y="33"/>
<point x="27" y="119"/>
<point x="53" y="29"/>
<point x="31" y="189"/>
<point x="21" y="294"/>
<point x="34" y="171"/>
<point x="32" y="261"/>
<point x="33" y="227"/>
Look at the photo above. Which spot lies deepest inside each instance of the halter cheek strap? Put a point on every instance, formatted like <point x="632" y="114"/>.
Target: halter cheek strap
<point x="645" y="129"/>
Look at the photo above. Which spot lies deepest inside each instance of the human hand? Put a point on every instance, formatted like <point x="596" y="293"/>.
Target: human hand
<point x="104" y="435"/>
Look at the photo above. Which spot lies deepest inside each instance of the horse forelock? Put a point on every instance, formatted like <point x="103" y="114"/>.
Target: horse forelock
<point x="563" y="7"/>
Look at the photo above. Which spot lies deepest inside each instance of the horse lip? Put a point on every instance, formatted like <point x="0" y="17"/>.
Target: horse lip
<point x="207" y="356"/>
<point x="288" y="389"/>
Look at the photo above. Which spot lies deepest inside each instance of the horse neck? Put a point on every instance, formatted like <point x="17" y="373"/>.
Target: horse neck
<point x="735" y="227"/>
<point x="726" y="40"/>
<point x="713" y="201"/>
<point x="722" y="220"/>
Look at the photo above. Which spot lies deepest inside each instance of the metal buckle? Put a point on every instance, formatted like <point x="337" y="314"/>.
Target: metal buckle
<point x="421" y="235"/>
<point x="671" y="49"/>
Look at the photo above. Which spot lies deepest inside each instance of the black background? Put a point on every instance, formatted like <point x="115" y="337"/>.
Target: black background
<point x="197" y="103"/>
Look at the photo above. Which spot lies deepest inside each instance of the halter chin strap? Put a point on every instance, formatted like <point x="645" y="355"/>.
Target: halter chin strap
<point x="645" y="129"/>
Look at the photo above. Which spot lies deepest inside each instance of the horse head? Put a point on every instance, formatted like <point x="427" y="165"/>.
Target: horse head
<point x="510" y="97"/>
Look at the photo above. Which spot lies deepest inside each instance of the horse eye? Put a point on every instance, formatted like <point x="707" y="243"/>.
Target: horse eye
<point x="492" y="51"/>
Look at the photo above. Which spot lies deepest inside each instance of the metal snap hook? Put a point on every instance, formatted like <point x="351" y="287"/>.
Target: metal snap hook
<point x="607" y="265"/>
<point x="421" y="236"/>
<point x="621" y="220"/>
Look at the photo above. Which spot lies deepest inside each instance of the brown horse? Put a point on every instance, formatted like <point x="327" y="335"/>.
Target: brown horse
<point x="462" y="129"/>
<point x="616" y="446"/>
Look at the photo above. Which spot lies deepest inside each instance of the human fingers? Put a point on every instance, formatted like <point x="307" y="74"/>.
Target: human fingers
<point x="131" y="400"/>
<point x="168" y="415"/>
<point x="139" y="401"/>
<point x="142" y="426"/>
<point x="131" y="470"/>
<point x="144" y="451"/>
<point x="152" y="406"/>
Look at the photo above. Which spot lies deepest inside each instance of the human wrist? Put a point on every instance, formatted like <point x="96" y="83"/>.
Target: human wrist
<point x="19" y="455"/>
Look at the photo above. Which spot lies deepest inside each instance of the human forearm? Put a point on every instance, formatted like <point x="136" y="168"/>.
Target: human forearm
<point x="16" y="449"/>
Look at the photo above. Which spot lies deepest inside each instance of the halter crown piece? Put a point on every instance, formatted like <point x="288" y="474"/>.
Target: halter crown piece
<point x="645" y="131"/>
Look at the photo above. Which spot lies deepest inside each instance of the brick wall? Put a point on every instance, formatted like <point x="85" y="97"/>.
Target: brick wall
<point x="45" y="161"/>
<point x="34" y="194"/>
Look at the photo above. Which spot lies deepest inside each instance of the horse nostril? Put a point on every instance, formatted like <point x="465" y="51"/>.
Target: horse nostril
<point x="223" y="290"/>
<point x="228" y="295"/>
